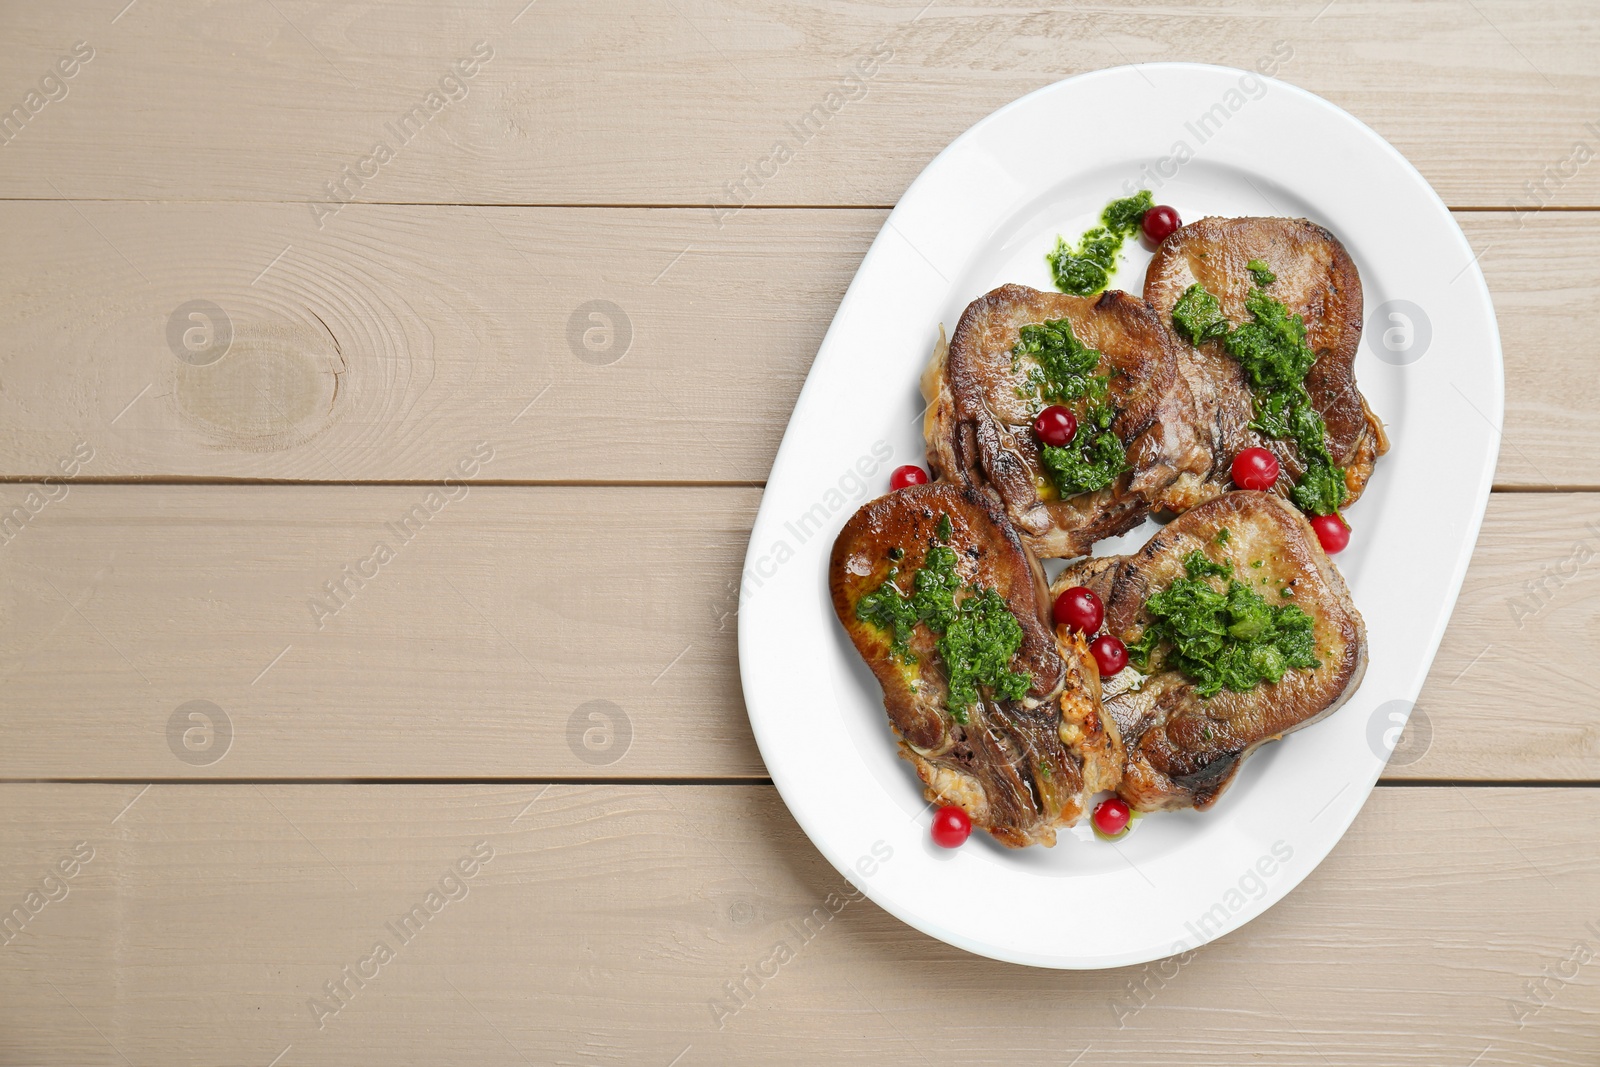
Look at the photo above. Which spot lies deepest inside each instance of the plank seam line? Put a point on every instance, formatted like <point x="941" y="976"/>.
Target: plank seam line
<point x="1489" y="783"/>
<point x="169" y="481"/>
<point x="628" y="205"/>
<point x="754" y="780"/>
<point x="445" y="780"/>
<point x="490" y="483"/>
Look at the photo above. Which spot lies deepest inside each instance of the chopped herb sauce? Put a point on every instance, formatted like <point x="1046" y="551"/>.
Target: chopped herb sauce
<point x="1272" y="350"/>
<point x="1221" y="635"/>
<point x="977" y="635"/>
<point x="1066" y="371"/>
<point x="1198" y="316"/>
<point x="1261" y="272"/>
<point x="1086" y="269"/>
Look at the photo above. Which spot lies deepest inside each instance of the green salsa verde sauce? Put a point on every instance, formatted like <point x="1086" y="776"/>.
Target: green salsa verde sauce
<point x="1272" y="350"/>
<point x="1222" y="634"/>
<point x="977" y="636"/>
<point x="1086" y="269"/>
<point x="1261" y="272"/>
<point x="1066" y="371"/>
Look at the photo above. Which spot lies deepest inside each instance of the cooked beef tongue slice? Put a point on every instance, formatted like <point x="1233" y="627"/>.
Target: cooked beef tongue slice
<point x="1316" y="279"/>
<point x="1007" y="765"/>
<point x="1184" y="750"/>
<point x="982" y="406"/>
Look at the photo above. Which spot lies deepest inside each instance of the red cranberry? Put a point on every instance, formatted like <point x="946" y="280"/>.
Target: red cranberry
<point x="951" y="827"/>
<point x="1332" y="531"/>
<point x="1079" y="609"/>
<point x="1255" y="468"/>
<point x="1055" y="426"/>
<point x="1161" y="222"/>
<point x="1111" y="816"/>
<point x="910" y="474"/>
<point x="1110" y="655"/>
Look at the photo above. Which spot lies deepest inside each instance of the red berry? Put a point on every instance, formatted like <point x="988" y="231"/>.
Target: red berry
<point x="1255" y="468"/>
<point x="1160" y="222"/>
<point x="1111" y="817"/>
<point x="910" y="474"/>
<point x="1055" y="426"/>
<point x="1332" y="531"/>
<point x="1110" y="655"/>
<point x="1079" y="609"/>
<point x="951" y="827"/>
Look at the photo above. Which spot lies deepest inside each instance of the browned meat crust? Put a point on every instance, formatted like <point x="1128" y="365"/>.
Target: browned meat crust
<point x="1018" y="768"/>
<point x="1184" y="751"/>
<point x="979" y="431"/>
<point x="1317" y="280"/>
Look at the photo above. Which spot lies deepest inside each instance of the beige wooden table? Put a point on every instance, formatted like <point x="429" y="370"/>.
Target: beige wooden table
<point x="240" y="748"/>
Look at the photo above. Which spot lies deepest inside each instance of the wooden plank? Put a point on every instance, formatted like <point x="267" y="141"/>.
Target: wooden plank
<point x="1539" y="278"/>
<point x="384" y="350"/>
<point x="602" y="923"/>
<point x="609" y="102"/>
<point x="477" y="650"/>
<point x="1519" y="649"/>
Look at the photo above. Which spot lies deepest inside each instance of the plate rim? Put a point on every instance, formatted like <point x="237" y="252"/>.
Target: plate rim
<point x="781" y="774"/>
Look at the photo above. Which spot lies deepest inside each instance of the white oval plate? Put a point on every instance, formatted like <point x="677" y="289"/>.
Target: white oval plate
<point x="1209" y="141"/>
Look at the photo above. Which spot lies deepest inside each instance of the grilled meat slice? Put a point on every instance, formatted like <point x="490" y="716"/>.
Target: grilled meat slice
<point x="1183" y="750"/>
<point x="1316" y="279"/>
<point x="1020" y="764"/>
<point x="981" y="410"/>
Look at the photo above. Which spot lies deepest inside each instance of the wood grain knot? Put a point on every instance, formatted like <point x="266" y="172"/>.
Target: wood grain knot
<point x="277" y="387"/>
